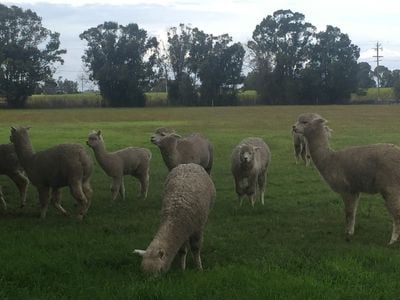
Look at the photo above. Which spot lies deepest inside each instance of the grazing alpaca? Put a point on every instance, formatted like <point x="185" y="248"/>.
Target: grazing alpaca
<point x="59" y="166"/>
<point x="189" y="194"/>
<point x="364" y="169"/>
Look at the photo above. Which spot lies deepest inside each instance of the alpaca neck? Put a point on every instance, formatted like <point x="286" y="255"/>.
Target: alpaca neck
<point x="101" y="153"/>
<point x="319" y="148"/>
<point x="170" y="153"/>
<point x="25" y="154"/>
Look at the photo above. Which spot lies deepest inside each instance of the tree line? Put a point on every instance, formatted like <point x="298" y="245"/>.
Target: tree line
<point x="287" y="62"/>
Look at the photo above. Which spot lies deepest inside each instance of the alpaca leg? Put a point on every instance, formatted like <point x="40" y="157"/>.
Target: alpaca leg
<point x="297" y="151"/>
<point x="2" y="199"/>
<point x="116" y="185"/>
<point x="393" y="205"/>
<point x="239" y="190"/>
<point x="122" y="189"/>
<point x="144" y="185"/>
<point x="350" y="205"/>
<point x="304" y="153"/>
<point x="183" y="254"/>
<point x="56" y="199"/>
<point x="261" y="186"/>
<point x="21" y="181"/>
<point x="307" y="154"/>
<point x="77" y="193"/>
<point x="44" y="193"/>
<point x="251" y="199"/>
<point x="196" y="240"/>
<point x="87" y="190"/>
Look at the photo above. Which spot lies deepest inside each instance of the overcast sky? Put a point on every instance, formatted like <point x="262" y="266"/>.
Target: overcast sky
<point x="366" y="22"/>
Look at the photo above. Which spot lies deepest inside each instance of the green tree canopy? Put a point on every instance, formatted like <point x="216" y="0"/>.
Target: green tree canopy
<point x="199" y="59"/>
<point x="121" y="59"/>
<point x="280" y="47"/>
<point x="333" y="59"/>
<point x="27" y="53"/>
<point x="365" y="76"/>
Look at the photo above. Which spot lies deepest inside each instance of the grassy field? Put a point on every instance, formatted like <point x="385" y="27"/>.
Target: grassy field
<point x="291" y="248"/>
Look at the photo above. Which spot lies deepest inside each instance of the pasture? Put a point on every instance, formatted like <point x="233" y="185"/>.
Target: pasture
<point x="291" y="248"/>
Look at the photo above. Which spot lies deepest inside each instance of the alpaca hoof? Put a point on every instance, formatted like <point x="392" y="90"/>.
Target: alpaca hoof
<point x="348" y="237"/>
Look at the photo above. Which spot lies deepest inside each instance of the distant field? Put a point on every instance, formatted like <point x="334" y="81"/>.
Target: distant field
<point x="372" y="95"/>
<point x="155" y="99"/>
<point x="94" y="100"/>
<point x="291" y="248"/>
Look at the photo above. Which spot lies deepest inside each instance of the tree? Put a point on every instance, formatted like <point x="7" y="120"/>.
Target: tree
<point x="67" y="86"/>
<point x="212" y="62"/>
<point x="396" y="91"/>
<point x="121" y="59"/>
<point x="27" y="54"/>
<point x="333" y="63"/>
<point x="365" y="76"/>
<point x="280" y="46"/>
<point x="181" y="90"/>
<point x="385" y="76"/>
<point x="218" y="64"/>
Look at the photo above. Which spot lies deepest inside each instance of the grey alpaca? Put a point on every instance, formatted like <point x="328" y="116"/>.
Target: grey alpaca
<point x="177" y="150"/>
<point x="249" y="166"/>
<point x="10" y="166"/>
<point x="54" y="168"/>
<point x="129" y="161"/>
<point x="363" y="169"/>
<point x="189" y="194"/>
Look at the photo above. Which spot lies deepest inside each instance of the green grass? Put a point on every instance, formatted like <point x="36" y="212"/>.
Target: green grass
<point x="291" y="248"/>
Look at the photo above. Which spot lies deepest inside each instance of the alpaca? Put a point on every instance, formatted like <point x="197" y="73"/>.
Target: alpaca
<point x="250" y="160"/>
<point x="53" y="168"/>
<point x="128" y="161"/>
<point x="189" y="194"/>
<point x="364" y="169"/>
<point x="177" y="150"/>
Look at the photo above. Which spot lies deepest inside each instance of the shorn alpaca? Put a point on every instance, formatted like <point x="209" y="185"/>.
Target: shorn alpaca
<point x="364" y="169"/>
<point x="249" y="166"/>
<point x="128" y="161"/>
<point x="59" y="166"/>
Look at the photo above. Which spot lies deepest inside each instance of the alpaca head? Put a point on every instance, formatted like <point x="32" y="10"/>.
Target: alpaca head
<point x="162" y="133"/>
<point x="308" y="123"/>
<point x="94" y="139"/>
<point x="19" y="135"/>
<point x="247" y="153"/>
<point x="154" y="260"/>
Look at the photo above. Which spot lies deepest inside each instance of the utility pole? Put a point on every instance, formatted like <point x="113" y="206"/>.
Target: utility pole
<point x="378" y="59"/>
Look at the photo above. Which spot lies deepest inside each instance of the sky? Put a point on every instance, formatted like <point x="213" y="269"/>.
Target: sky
<point x="366" y="22"/>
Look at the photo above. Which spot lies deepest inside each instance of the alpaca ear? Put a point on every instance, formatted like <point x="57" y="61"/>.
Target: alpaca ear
<point x="98" y="132"/>
<point x="320" y="120"/>
<point x="28" y="127"/>
<point x="13" y="129"/>
<point x="176" y="135"/>
<point x="139" y="252"/>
